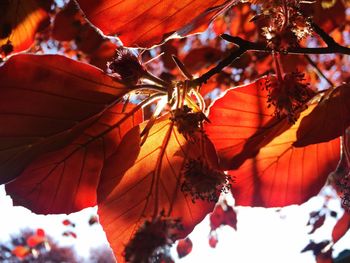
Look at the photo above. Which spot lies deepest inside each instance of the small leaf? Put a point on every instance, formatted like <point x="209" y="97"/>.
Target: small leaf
<point x="341" y="227"/>
<point x="35" y="240"/>
<point x="213" y="240"/>
<point x="67" y="222"/>
<point x="21" y="252"/>
<point x="222" y="216"/>
<point x="184" y="247"/>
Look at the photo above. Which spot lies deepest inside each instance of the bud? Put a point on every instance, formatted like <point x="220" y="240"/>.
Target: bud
<point x="127" y="66"/>
<point x="282" y="24"/>
<point x="203" y="182"/>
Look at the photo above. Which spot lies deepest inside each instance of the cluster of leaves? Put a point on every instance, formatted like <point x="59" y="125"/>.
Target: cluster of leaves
<point x="135" y="135"/>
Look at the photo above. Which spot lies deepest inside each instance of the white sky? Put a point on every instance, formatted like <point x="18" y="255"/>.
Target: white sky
<point x="263" y="235"/>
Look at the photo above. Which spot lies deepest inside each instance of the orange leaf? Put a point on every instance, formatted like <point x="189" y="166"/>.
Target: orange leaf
<point x="242" y="123"/>
<point x="147" y="24"/>
<point x="281" y="174"/>
<point x="138" y="183"/>
<point x="66" y="180"/>
<point x="341" y="227"/>
<point x="19" y="21"/>
<point x="45" y="102"/>
<point x="328" y="120"/>
<point x="20" y="251"/>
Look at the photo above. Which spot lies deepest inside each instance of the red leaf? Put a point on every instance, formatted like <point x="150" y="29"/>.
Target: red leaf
<point x="66" y="180"/>
<point x="19" y="21"/>
<point x="46" y="101"/>
<point x="184" y="247"/>
<point x="67" y="222"/>
<point x="35" y="240"/>
<point x="238" y="130"/>
<point x="216" y="217"/>
<point x="139" y="183"/>
<point x="223" y="216"/>
<point x="341" y="227"/>
<point x="328" y="120"/>
<point x="40" y="232"/>
<point x="147" y="24"/>
<point x="281" y="174"/>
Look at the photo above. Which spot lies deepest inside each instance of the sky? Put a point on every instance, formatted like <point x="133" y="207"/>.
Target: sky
<point x="263" y="235"/>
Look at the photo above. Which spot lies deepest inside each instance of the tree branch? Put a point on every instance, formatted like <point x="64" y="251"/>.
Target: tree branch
<point x="236" y="53"/>
<point x="245" y="45"/>
<point x="332" y="48"/>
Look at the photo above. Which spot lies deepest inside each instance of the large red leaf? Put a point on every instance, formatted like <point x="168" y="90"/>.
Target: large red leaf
<point x="341" y="227"/>
<point x="281" y="174"/>
<point x="66" y="180"/>
<point x="148" y="23"/>
<point x="46" y="101"/>
<point x="242" y="123"/>
<point x="328" y="120"/>
<point x="139" y="183"/>
<point x="19" y="21"/>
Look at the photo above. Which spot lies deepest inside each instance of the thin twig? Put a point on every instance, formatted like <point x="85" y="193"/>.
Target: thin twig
<point x="318" y="71"/>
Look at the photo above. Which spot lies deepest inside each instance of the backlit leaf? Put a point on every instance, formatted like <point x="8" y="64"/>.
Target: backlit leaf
<point x="281" y="174"/>
<point x="271" y="172"/>
<point x="19" y="21"/>
<point x="45" y="102"/>
<point x="66" y="180"/>
<point x="138" y="183"/>
<point x="328" y="120"/>
<point x="147" y="24"/>
<point x="242" y="123"/>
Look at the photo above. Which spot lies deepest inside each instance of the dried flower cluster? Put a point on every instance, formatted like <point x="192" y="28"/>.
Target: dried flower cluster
<point x="343" y="186"/>
<point x="288" y="95"/>
<point x="284" y="26"/>
<point x="188" y="122"/>
<point x="152" y="241"/>
<point x="127" y="66"/>
<point x="203" y="182"/>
